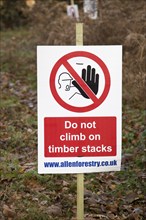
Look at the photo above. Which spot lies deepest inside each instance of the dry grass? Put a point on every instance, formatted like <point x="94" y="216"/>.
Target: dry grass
<point x="135" y="68"/>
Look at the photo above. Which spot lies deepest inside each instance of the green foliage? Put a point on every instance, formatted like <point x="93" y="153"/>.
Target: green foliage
<point x="34" y="213"/>
<point x="9" y="168"/>
<point x="9" y="102"/>
<point x="33" y="175"/>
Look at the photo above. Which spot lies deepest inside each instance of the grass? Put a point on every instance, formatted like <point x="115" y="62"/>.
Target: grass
<point x="11" y="102"/>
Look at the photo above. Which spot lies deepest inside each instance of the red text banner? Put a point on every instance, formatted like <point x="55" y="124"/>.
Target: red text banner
<point x="79" y="136"/>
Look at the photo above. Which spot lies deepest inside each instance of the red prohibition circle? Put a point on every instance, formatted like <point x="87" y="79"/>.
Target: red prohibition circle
<point x="64" y="61"/>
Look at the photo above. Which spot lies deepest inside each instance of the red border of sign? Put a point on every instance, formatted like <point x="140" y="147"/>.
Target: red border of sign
<point x="96" y="101"/>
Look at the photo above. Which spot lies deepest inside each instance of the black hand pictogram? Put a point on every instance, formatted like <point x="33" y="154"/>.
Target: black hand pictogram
<point x="91" y="79"/>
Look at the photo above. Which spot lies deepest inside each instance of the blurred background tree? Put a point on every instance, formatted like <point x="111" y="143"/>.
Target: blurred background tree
<point x="13" y="13"/>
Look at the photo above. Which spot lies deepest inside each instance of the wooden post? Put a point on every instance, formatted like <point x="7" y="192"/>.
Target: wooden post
<point x="72" y="2"/>
<point x="80" y="176"/>
<point x="79" y="34"/>
<point x="80" y="196"/>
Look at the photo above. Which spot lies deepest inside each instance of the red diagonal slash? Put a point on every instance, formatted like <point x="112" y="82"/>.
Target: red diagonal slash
<point x="80" y="81"/>
<point x="64" y="61"/>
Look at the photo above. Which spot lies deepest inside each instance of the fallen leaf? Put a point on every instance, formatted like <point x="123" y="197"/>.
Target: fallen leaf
<point x="131" y="197"/>
<point x="54" y="210"/>
<point x="8" y="212"/>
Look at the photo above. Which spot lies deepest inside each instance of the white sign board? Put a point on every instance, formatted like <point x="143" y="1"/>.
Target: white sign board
<point x="79" y="108"/>
<point x="90" y="7"/>
<point x="72" y="11"/>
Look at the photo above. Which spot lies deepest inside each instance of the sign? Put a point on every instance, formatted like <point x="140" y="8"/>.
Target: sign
<point x="90" y="8"/>
<point x="72" y="11"/>
<point x="79" y="108"/>
<point x="85" y="84"/>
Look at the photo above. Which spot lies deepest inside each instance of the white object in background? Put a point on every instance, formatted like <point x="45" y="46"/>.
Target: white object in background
<point x="72" y="11"/>
<point x="90" y="7"/>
